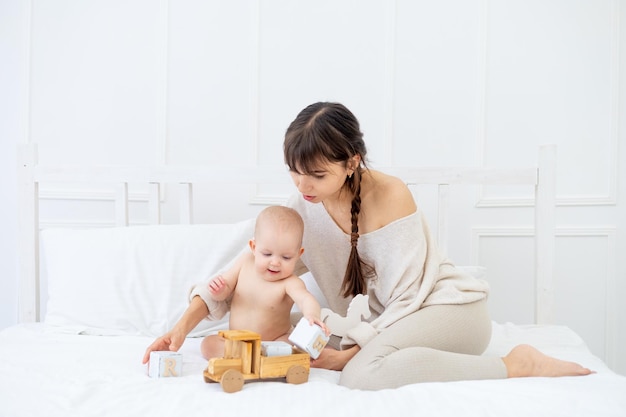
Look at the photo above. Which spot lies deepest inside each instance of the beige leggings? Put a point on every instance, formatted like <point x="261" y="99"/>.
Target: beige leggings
<point x="436" y="343"/>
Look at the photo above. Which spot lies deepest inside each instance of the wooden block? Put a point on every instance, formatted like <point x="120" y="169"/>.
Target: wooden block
<point x="229" y="349"/>
<point x="218" y="366"/>
<point x="256" y="354"/>
<point x="239" y="335"/>
<point x="277" y="366"/>
<point x="246" y="357"/>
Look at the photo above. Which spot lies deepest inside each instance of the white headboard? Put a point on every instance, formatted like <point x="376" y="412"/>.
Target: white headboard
<point x="31" y="174"/>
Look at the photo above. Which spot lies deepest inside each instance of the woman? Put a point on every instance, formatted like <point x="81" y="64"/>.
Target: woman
<point x="429" y="321"/>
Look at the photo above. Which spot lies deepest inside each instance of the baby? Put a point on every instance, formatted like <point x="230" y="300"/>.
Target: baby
<point x="261" y="284"/>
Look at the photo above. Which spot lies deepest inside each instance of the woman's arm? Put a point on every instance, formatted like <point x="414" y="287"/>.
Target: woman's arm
<point x="333" y="359"/>
<point x="174" y="339"/>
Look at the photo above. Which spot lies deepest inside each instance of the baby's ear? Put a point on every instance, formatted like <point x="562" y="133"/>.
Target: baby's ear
<point x="252" y="244"/>
<point x="301" y="251"/>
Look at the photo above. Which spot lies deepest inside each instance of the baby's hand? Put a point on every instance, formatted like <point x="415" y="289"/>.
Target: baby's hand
<point x="216" y="285"/>
<point x="320" y="323"/>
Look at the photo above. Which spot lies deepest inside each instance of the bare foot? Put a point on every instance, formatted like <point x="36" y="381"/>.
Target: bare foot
<point x="525" y="360"/>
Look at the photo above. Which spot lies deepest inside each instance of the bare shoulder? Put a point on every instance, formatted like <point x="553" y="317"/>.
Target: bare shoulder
<point x="241" y="266"/>
<point x="293" y="281"/>
<point x="294" y="285"/>
<point x="246" y="258"/>
<point x="390" y="197"/>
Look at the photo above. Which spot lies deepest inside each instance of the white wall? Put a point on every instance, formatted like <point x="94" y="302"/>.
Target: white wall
<point x="13" y="95"/>
<point x="456" y="83"/>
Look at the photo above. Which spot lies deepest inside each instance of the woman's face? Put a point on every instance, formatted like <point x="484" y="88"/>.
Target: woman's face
<point x="326" y="181"/>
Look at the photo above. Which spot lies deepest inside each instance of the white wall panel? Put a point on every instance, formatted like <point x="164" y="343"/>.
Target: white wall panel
<point x="94" y="81"/>
<point x="584" y="285"/>
<point x="511" y="280"/>
<point x="320" y="51"/>
<point x="439" y="82"/>
<point x="209" y="53"/>
<point x="585" y="293"/>
<point x="14" y="40"/>
<point x="551" y="76"/>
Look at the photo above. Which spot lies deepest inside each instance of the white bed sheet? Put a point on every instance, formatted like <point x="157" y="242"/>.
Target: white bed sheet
<point x="52" y="374"/>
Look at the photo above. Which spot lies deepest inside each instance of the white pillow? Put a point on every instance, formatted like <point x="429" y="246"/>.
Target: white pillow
<point x="133" y="280"/>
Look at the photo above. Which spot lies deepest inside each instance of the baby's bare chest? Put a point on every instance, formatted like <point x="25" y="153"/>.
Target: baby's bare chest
<point x="258" y="292"/>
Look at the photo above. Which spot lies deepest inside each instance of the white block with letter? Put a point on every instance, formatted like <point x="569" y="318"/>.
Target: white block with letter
<point x="309" y="337"/>
<point x="165" y="364"/>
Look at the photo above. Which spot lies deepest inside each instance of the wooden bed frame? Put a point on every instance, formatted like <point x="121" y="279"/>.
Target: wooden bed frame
<point x="31" y="175"/>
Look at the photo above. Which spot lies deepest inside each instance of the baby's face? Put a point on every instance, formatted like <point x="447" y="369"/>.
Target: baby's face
<point x="276" y="253"/>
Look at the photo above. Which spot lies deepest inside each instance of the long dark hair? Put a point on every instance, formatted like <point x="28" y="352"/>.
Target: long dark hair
<point x="329" y="132"/>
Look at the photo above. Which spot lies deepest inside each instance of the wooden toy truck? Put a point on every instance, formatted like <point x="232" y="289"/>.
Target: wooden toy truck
<point x="243" y="361"/>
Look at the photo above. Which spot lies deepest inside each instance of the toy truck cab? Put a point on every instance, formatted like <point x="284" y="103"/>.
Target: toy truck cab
<point x="243" y="361"/>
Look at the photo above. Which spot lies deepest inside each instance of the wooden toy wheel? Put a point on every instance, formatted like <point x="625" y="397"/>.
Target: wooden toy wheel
<point x="297" y="374"/>
<point x="232" y="381"/>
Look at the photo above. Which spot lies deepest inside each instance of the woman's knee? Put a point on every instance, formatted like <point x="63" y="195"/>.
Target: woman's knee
<point x="365" y="369"/>
<point x="354" y="377"/>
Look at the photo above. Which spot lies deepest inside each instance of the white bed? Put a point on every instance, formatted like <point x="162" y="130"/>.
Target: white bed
<point x="84" y="357"/>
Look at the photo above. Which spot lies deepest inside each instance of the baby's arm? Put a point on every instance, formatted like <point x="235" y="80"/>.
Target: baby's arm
<point x="222" y="286"/>
<point x="219" y="289"/>
<point x="305" y="301"/>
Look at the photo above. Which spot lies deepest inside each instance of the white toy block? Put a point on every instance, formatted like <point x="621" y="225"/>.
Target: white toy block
<point x="309" y="337"/>
<point x="276" y="348"/>
<point x="165" y="364"/>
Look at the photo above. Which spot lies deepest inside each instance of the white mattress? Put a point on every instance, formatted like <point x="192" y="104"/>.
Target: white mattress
<point x="50" y="374"/>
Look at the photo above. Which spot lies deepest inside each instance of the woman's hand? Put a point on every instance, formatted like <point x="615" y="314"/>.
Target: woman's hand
<point x="171" y="341"/>
<point x="175" y="338"/>
<point x="334" y="359"/>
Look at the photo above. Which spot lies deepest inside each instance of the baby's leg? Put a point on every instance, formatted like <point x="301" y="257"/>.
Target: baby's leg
<point x="285" y="337"/>
<point x="212" y="346"/>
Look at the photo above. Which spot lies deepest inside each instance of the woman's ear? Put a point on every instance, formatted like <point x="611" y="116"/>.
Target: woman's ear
<point x="354" y="162"/>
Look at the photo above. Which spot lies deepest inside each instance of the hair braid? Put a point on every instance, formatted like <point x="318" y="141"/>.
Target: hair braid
<point x="354" y="281"/>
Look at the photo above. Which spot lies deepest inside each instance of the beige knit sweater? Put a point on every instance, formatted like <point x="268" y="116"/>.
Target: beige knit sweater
<point x="411" y="273"/>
